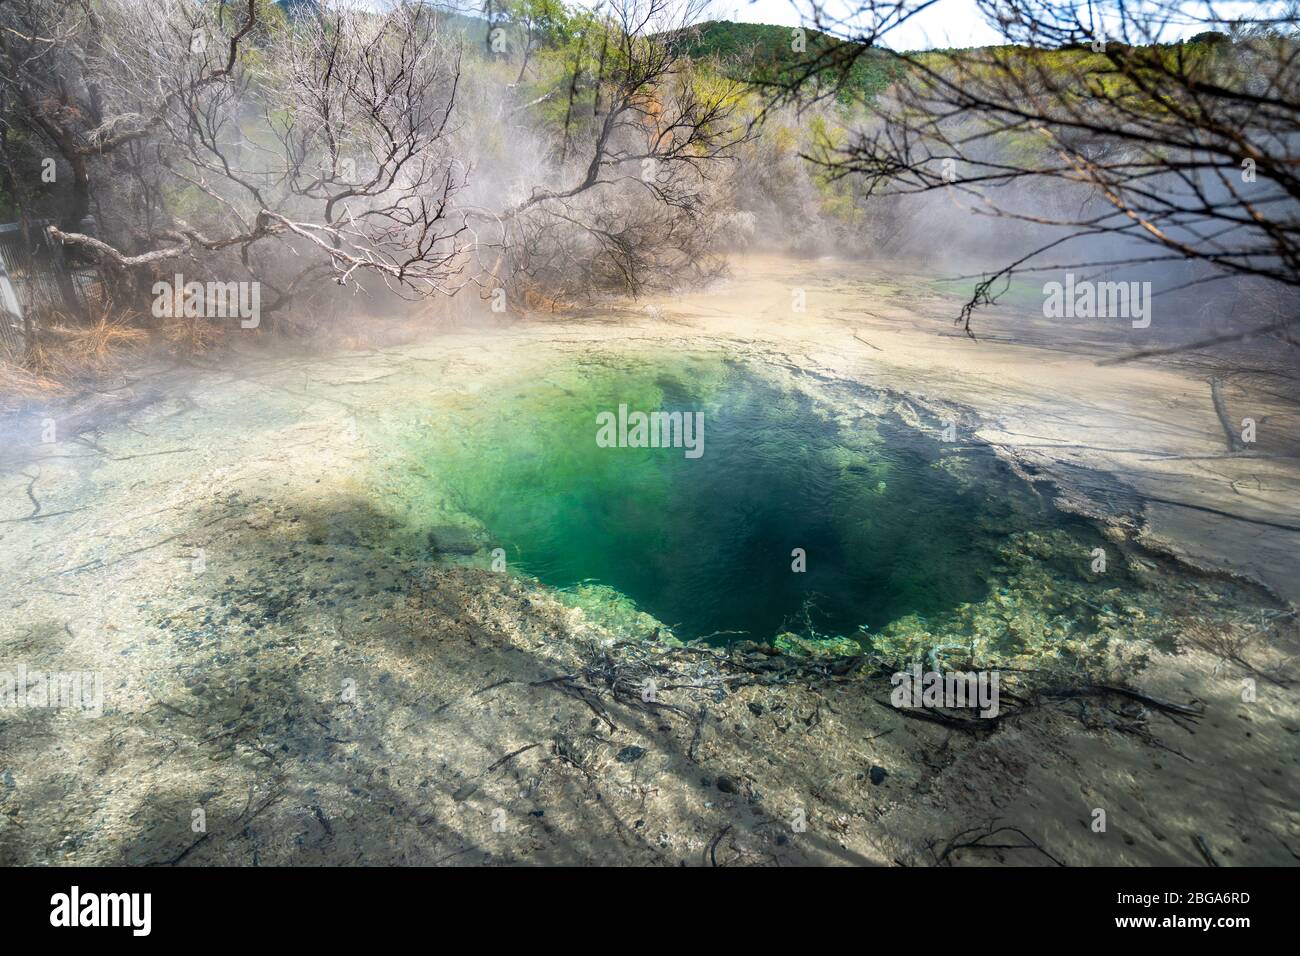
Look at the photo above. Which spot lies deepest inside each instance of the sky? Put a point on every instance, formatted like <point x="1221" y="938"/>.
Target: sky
<point x="949" y="23"/>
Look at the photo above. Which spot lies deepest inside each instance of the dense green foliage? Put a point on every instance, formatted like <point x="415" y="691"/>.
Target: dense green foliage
<point x="768" y="54"/>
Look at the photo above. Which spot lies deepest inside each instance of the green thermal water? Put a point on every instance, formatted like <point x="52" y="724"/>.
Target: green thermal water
<point x="896" y="524"/>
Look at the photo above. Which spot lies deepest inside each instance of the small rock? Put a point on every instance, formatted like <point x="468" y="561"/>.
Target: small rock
<point x="630" y="754"/>
<point x="449" y="539"/>
<point x="728" y="785"/>
<point x="464" y="791"/>
<point x="878" y="775"/>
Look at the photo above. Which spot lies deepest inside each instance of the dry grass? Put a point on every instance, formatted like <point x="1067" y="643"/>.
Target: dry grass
<point x="191" y="336"/>
<point x="536" y="300"/>
<point x="19" y="385"/>
<point x="78" y="349"/>
<point x="64" y="353"/>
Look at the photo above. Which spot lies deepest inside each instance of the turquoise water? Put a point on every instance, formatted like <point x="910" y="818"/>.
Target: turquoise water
<point x="892" y="520"/>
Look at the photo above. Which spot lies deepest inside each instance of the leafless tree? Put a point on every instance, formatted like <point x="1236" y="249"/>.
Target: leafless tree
<point x="328" y="144"/>
<point x="1170" y="151"/>
<point x="632" y="184"/>
<point x="335" y="146"/>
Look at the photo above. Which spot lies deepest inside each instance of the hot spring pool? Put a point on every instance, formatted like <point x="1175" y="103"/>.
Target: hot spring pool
<point x="899" y="529"/>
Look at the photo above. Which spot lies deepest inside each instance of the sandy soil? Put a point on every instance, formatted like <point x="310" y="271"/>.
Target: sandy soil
<point x="226" y="546"/>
